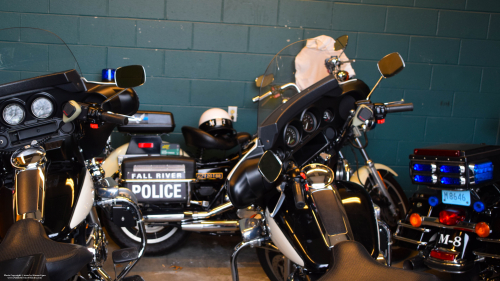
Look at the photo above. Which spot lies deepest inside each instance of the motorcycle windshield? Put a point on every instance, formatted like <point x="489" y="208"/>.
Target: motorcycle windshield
<point x="30" y="52"/>
<point x="279" y="73"/>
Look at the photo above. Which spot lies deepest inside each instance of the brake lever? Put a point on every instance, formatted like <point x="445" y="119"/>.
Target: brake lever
<point x="281" y="188"/>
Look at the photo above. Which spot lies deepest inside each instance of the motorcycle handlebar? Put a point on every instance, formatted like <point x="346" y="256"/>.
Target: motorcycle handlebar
<point x="114" y="118"/>
<point x="393" y="108"/>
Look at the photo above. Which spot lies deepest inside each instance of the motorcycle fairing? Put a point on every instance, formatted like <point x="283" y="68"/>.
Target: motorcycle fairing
<point x="277" y="120"/>
<point x="304" y="231"/>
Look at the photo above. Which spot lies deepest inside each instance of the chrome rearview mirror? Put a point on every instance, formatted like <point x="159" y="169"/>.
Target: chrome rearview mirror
<point x="388" y="66"/>
<point x="263" y="81"/>
<point x="391" y="65"/>
<point x="340" y="43"/>
<point x="270" y="166"/>
<point x="130" y="76"/>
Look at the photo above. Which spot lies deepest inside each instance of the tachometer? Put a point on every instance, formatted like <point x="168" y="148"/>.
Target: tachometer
<point x="291" y="136"/>
<point x="42" y="107"/>
<point x="308" y="122"/>
<point x="13" y="114"/>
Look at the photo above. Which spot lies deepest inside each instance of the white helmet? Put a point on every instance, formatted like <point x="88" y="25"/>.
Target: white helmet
<point x="216" y="121"/>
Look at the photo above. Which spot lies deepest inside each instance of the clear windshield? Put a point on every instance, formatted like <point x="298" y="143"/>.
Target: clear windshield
<point x="29" y="52"/>
<point x="280" y="72"/>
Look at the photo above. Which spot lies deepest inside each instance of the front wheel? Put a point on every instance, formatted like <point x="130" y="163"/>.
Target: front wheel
<point x="397" y="195"/>
<point x="273" y="264"/>
<point x="160" y="239"/>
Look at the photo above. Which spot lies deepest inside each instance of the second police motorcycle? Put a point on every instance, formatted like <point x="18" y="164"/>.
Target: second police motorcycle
<point x="305" y="223"/>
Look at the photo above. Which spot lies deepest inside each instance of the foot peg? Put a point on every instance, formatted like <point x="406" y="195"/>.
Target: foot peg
<point x="125" y="255"/>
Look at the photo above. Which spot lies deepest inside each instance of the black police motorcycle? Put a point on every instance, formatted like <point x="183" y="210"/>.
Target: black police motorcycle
<point x="170" y="184"/>
<point x="305" y="224"/>
<point x="455" y="224"/>
<point x="53" y="122"/>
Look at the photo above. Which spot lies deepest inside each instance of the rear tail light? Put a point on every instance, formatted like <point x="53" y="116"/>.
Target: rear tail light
<point x="451" y="216"/>
<point x="443" y="255"/>
<point x="145" y="145"/>
<point x="415" y="220"/>
<point x="482" y="229"/>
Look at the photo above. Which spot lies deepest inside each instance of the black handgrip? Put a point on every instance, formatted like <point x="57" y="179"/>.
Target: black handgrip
<point x="298" y="195"/>
<point x="392" y="108"/>
<point x="114" y="118"/>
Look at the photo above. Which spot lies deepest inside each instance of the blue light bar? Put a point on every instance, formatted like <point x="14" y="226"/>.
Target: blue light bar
<point x="423" y="179"/>
<point x="483" y="172"/>
<point x="450" y="169"/>
<point x="450" y="181"/>
<point x="479" y="206"/>
<point x="433" y="201"/>
<point x="422" y="167"/>
<point x="108" y="75"/>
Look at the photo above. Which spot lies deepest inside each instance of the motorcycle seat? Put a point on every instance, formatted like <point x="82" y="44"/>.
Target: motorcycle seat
<point x="27" y="237"/>
<point x="351" y="261"/>
<point x="199" y="138"/>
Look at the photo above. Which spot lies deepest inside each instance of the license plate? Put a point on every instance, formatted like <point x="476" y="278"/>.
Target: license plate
<point x="461" y="198"/>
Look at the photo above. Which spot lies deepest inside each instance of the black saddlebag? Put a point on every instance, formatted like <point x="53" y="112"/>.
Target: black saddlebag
<point x="159" y="179"/>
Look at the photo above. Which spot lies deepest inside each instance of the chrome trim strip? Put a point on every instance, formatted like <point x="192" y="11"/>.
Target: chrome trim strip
<point x="410" y="240"/>
<point x="488" y="240"/>
<point x="486" y="255"/>
<point x="426" y="230"/>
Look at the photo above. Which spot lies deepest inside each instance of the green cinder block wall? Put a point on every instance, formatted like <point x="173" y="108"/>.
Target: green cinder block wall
<point x="206" y="53"/>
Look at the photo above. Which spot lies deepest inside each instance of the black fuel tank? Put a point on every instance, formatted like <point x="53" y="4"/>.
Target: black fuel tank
<point x="247" y="184"/>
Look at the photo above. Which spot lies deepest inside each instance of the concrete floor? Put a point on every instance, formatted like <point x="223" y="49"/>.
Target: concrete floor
<point x="205" y="257"/>
<point x="202" y="257"/>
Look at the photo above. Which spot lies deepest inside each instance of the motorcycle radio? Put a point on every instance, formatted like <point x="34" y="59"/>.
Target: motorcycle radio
<point x="455" y="166"/>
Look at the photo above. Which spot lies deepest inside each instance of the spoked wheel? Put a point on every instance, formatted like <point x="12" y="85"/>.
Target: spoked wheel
<point x="273" y="264"/>
<point x="397" y="195"/>
<point x="160" y="239"/>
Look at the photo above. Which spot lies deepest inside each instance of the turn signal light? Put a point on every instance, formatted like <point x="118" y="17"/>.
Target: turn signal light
<point x="451" y="217"/>
<point x="145" y="145"/>
<point x="94" y="126"/>
<point x="415" y="220"/>
<point x="443" y="255"/>
<point x="482" y="229"/>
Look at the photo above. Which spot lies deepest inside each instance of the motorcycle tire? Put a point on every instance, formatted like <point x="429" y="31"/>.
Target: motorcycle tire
<point x="272" y="262"/>
<point x="160" y="239"/>
<point x="398" y="197"/>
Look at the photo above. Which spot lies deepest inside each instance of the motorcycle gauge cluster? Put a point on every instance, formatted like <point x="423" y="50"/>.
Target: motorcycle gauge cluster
<point x="13" y="114"/>
<point x="328" y="116"/>
<point x="42" y="107"/>
<point x="308" y="122"/>
<point x="291" y="136"/>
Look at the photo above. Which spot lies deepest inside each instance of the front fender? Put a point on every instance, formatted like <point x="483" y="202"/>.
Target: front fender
<point x="364" y="172"/>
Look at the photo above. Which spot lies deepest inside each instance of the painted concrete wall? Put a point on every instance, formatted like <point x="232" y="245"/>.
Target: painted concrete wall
<point x="204" y="53"/>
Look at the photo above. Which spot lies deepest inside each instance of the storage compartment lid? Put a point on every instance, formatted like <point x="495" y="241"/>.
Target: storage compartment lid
<point x="149" y="122"/>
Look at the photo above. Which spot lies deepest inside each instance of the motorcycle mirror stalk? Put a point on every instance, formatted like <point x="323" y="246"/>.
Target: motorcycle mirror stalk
<point x="388" y="66"/>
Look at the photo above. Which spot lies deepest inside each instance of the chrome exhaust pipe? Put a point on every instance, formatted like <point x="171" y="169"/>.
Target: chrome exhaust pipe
<point x="210" y="226"/>
<point x="159" y="218"/>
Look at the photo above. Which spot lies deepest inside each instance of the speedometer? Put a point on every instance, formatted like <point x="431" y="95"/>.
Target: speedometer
<point x="42" y="107"/>
<point x="308" y="122"/>
<point x="13" y="114"/>
<point x="291" y="136"/>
